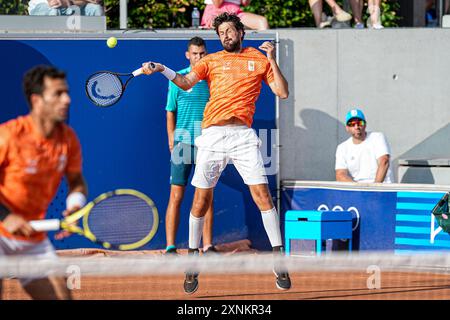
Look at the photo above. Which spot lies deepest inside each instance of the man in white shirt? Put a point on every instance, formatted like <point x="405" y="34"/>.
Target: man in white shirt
<point x="65" y="7"/>
<point x="365" y="156"/>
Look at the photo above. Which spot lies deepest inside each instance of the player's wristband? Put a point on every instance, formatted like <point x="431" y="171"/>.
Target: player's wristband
<point x="169" y="73"/>
<point x="75" y="199"/>
<point x="4" y="212"/>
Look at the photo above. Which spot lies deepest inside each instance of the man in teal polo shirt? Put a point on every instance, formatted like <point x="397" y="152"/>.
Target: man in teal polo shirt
<point x="184" y="117"/>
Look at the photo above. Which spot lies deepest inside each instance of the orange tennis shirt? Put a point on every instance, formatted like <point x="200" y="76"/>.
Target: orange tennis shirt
<point x="235" y="81"/>
<point x="32" y="167"/>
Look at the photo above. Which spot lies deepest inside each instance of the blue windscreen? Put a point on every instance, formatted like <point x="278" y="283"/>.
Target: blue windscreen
<point x="126" y="145"/>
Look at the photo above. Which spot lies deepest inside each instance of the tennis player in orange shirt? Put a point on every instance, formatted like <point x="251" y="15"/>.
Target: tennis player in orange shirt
<point x="36" y="151"/>
<point x="235" y="77"/>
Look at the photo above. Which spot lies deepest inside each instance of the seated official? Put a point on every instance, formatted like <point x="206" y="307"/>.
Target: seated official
<point x="365" y="156"/>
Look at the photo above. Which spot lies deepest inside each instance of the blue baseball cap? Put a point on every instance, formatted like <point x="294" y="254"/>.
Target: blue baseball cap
<point x="354" y="113"/>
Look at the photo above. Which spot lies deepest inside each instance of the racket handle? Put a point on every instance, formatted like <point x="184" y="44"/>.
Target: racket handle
<point x="45" y="225"/>
<point x="139" y="71"/>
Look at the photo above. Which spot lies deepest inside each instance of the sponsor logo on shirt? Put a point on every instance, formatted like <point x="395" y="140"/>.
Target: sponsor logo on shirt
<point x="251" y="65"/>
<point x="31" y="167"/>
<point x="227" y="65"/>
<point x="62" y="161"/>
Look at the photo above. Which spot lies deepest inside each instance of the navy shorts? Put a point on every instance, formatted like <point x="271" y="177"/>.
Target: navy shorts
<point x="182" y="161"/>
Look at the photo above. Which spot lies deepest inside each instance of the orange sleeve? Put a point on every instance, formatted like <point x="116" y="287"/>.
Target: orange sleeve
<point x="75" y="159"/>
<point x="201" y="69"/>
<point x="4" y="138"/>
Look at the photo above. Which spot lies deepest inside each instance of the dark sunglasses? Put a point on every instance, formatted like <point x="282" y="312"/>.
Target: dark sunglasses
<point x="353" y="123"/>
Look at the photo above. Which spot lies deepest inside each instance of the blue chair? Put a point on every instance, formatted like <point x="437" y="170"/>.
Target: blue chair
<point x="318" y="226"/>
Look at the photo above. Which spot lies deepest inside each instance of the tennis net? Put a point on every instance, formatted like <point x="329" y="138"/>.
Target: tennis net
<point x="368" y="275"/>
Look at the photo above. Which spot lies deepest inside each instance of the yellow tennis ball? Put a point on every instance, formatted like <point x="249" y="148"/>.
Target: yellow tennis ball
<point x="111" y="42"/>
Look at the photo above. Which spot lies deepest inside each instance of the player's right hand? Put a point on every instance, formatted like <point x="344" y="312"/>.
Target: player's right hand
<point x="171" y="142"/>
<point x="64" y="233"/>
<point x="17" y="225"/>
<point x="269" y="48"/>
<point x="148" y="70"/>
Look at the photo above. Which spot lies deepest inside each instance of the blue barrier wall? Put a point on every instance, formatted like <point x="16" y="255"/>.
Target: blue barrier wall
<point x="125" y="146"/>
<point x="398" y="220"/>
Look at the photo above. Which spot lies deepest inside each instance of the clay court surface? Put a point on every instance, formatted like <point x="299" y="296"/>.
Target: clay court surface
<point x="305" y="285"/>
<point x="315" y="286"/>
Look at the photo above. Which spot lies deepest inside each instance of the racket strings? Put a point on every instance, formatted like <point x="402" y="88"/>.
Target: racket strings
<point x="104" y="88"/>
<point x="121" y="219"/>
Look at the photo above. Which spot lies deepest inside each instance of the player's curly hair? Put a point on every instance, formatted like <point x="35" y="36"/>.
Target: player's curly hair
<point x="33" y="81"/>
<point x="229" y="17"/>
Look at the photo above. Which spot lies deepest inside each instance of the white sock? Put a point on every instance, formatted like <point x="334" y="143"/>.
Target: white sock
<point x="271" y="221"/>
<point x="195" y="231"/>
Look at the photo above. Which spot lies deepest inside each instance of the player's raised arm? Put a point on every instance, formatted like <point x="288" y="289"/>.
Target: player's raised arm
<point x="185" y="82"/>
<point x="279" y="86"/>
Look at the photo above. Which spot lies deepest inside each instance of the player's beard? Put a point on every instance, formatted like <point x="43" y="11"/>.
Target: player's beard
<point x="359" y="135"/>
<point x="60" y="114"/>
<point x="232" y="46"/>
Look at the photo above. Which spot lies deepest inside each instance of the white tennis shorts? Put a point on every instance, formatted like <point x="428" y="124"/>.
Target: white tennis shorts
<point x="40" y="250"/>
<point x="218" y="145"/>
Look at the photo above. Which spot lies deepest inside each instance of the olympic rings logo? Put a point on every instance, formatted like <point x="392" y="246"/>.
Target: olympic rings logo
<point x="324" y="207"/>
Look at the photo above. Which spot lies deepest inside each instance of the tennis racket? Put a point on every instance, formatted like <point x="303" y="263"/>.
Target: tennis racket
<point x="123" y="219"/>
<point x="105" y="88"/>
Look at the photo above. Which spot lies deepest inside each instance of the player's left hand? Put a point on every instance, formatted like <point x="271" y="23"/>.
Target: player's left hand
<point x="64" y="234"/>
<point x="269" y="48"/>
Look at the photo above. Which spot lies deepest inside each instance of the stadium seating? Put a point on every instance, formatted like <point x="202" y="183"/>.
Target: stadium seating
<point x="53" y="24"/>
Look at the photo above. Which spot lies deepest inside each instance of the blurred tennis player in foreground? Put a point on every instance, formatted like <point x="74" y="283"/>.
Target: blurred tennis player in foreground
<point x="235" y="77"/>
<point x="36" y="152"/>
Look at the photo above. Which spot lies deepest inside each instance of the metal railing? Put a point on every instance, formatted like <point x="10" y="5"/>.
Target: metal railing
<point x="123" y="14"/>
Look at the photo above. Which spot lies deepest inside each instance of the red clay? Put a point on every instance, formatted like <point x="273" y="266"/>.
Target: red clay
<point x="307" y="285"/>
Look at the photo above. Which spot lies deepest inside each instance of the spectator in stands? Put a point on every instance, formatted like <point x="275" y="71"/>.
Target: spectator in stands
<point x="357" y="9"/>
<point x="431" y="12"/>
<point x="432" y="3"/>
<point x="216" y="7"/>
<point x="374" y="21"/>
<point x="321" y="19"/>
<point x="365" y="156"/>
<point x="65" y="7"/>
<point x="373" y="9"/>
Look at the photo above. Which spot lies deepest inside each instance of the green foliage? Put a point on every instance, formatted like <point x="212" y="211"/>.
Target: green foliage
<point x="283" y="13"/>
<point x="158" y="14"/>
<point x="13" y="7"/>
<point x="153" y="14"/>
<point x="389" y="17"/>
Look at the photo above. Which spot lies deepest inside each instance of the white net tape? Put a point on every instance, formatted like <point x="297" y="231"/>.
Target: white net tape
<point x="28" y="266"/>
